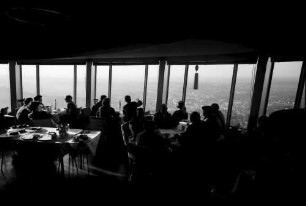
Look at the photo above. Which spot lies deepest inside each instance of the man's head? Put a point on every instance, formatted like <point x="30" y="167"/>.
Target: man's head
<point x="35" y="106"/>
<point x="102" y="97"/>
<point x="180" y="104"/>
<point x="68" y="98"/>
<point x="38" y="98"/>
<point x="127" y="98"/>
<point x="163" y="108"/>
<point x="27" y="101"/>
<point x="215" y="106"/>
<point x="208" y="111"/>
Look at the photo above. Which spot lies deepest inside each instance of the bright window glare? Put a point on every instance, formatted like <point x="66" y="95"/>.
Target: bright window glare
<point x="5" y="97"/>
<point x="81" y="85"/>
<point x="127" y="80"/>
<point x="243" y="95"/>
<point x="29" y="80"/>
<point x="284" y="86"/>
<point x="102" y="81"/>
<point x="56" y="81"/>
<point x="176" y="83"/>
<point x="214" y="87"/>
<point x="152" y="88"/>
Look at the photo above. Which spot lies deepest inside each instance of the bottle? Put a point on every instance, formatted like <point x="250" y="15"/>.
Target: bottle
<point x="119" y="105"/>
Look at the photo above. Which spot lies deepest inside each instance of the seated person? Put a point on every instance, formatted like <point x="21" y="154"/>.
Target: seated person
<point x="23" y="112"/>
<point x="213" y="127"/>
<point x="163" y="118"/>
<point x="71" y="113"/>
<point x="219" y="116"/>
<point x="152" y="149"/>
<point x="4" y="124"/>
<point x="136" y="124"/>
<point x="106" y="111"/>
<point x="38" y="113"/>
<point x="38" y="98"/>
<point x="95" y="108"/>
<point x="129" y="110"/>
<point x="180" y="114"/>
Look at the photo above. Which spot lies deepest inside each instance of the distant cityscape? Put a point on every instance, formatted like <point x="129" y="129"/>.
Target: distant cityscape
<point x="282" y="96"/>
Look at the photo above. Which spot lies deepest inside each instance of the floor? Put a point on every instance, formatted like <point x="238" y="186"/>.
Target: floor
<point x="87" y="180"/>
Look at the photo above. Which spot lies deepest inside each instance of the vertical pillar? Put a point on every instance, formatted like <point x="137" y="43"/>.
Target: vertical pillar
<point x="37" y="80"/>
<point x="90" y="76"/>
<point x="257" y="93"/>
<point x="15" y="84"/>
<point x="95" y="82"/>
<point x="185" y="83"/>
<point x="266" y="88"/>
<point x="232" y="95"/>
<point x="110" y="73"/>
<point x="163" y="83"/>
<point x="75" y="85"/>
<point x="144" y="99"/>
<point x="301" y="85"/>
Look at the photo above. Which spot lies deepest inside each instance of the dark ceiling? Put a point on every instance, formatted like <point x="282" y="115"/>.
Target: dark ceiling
<point x="49" y="29"/>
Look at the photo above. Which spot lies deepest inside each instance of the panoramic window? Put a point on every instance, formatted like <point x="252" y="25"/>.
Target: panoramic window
<point x="29" y="81"/>
<point x="243" y="95"/>
<point x="176" y="84"/>
<point x="126" y="80"/>
<point x="56" y="81"/>
<point x="152" y="88"/>
<point x="284" y="86"/>
<point x="81" y="86"/>
<point x="102" y="81"/>
<point x="214" y="83"/>
<point x="5" y="97"/>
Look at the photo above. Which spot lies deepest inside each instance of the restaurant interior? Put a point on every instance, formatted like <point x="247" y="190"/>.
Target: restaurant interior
<point x="94" y="159"/>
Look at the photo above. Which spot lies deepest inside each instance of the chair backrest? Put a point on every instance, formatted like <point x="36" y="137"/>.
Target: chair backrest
<point x="96" y="123"/>
<point x="86" y="112"/>
<point x="43" y="123"/>
<point x="126" y="133"/>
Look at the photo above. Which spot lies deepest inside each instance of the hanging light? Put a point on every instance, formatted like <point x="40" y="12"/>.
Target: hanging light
<point x="196" y="78"/>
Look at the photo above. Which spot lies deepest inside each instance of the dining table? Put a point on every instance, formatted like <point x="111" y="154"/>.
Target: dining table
<point x="170" y="134"/>
<point x="24" y="138"/>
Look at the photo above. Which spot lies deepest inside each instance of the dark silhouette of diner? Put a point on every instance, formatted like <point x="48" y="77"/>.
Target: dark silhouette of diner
<point x="71" y="114"/>
<point x="23" y="112"/>
<point x="95" y="107"/>
<point x="181" y="113"/>
<point x="163" y="119"/>
<point x="129" y="109"/>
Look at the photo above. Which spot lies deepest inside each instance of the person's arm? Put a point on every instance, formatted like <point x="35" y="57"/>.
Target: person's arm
<point x="139" y="103"/>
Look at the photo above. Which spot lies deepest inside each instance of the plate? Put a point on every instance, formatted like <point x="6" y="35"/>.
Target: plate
<point x="15" y="130"/>
<point x="46" y="137"/>
<point x="31" y="136"/>
<point x="33" y="129"/>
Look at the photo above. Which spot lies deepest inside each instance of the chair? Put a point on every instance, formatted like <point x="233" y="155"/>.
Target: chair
<point x="43" y="123"/>
<point x="85" y="114"/>
<point x="126" y="133"/>
<point x="96" y="123"/>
